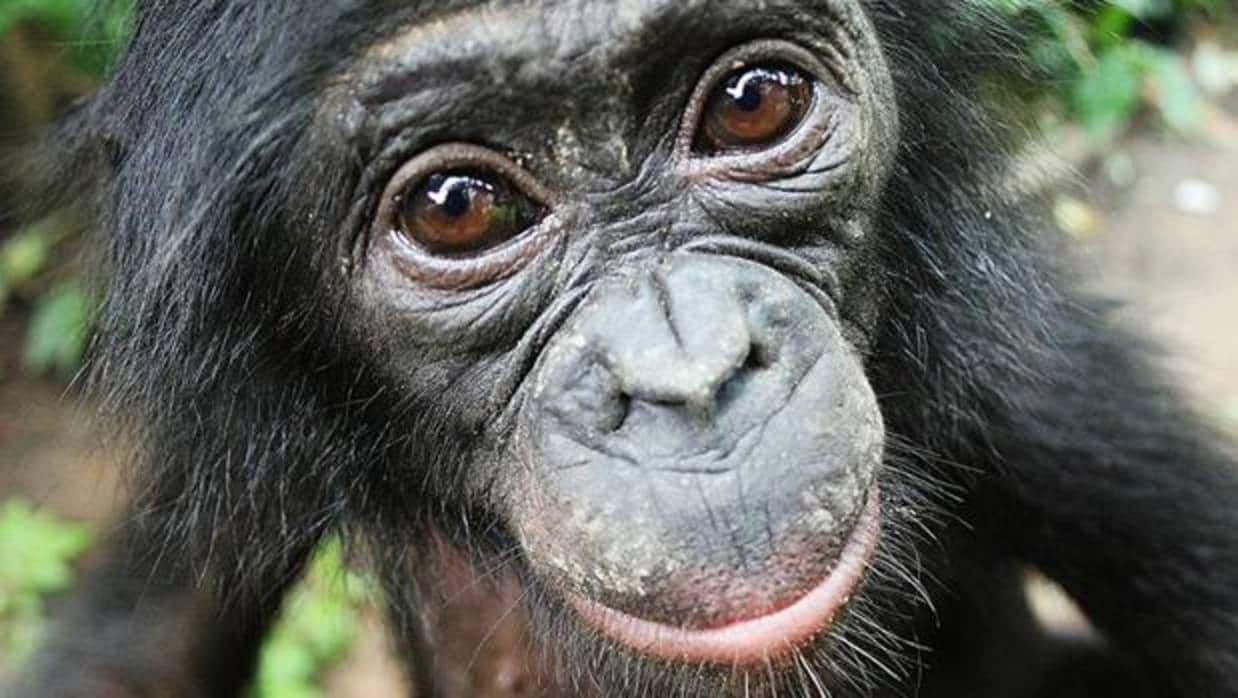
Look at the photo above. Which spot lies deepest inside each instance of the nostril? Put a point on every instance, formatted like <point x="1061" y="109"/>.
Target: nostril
<point x="759" y="357"/>
<point x="616" y="414"/>
<point x="624" y="408"/>
<point x="756" y="360"/>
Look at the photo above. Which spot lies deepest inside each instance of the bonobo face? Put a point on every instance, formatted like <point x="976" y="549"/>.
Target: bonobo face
<point x="615" y="255"/>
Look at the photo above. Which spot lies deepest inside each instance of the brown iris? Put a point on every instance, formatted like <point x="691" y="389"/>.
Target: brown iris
<point x="754" y="107"/>
<point x="463" y="211"/>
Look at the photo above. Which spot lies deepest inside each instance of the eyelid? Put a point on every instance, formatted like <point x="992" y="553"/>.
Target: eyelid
<point x="748" y="56"/>
<point x="451" y="156"/>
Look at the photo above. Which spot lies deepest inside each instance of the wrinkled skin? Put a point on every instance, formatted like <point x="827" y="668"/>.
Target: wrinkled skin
<point x="627" y="379"/>
<point x="691" y="416"/>
<point x="687" y="434"/>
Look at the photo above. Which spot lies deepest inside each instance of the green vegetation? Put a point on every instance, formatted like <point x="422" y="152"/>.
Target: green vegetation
<point x="67" y="45"/>
<point x="316" y="630"/>
<point x="60" y="306"/>
<point x="36" y="552"/>
<point x="1107" y="61"/>
<point x="92" y="30"/>
<point x="1229" y="415"/>
<point x="40" y="285"/>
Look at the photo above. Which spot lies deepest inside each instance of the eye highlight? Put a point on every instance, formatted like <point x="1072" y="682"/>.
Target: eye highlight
<point x="753" y="108"/>
<point x="464" y="210"/>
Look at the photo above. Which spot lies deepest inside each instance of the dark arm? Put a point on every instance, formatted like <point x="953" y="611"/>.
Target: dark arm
<point x="141" y="627"/>
<point x="1115" y="489"/>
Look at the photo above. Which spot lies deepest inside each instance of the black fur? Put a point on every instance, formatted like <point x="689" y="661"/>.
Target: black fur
<point x="1026" y="429"/>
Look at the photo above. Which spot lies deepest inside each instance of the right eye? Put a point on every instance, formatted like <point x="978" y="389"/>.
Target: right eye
<point x="753" y="108"/>
<point x="459" y="211"/>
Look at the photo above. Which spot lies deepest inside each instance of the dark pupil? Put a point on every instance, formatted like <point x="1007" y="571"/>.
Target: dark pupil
<point x="453" y="193"/>
<point x="745" y="88"/>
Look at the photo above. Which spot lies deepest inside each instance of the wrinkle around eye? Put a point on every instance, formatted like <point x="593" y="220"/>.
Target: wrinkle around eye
<point x="817" y="178"/>
<point x="478" y="317"/>
<point x="450" y="314"/>
<point x="492" y="266"/>
<point x="797" y="158"/>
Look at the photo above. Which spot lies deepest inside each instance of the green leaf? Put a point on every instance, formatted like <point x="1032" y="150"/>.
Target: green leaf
<point x="1110" y="26"/>
<point x="1178" y="101"/>
<point x="315" y="630"/>
<point x="36" y="554"/>
<point x="58" y="331"/>
<point x="36" y="548"/>
<point x="1107" y="96"/>
<point x="22" y="257"/>
<point x="1229" y="412"/>
<point x="58" y="15"/>
<point x="94" y="30"/>
<point x="1146" y="9"/>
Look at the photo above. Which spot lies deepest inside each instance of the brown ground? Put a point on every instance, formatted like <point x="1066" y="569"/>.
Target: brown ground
<point x="1178" y="267"/>
<point x="1168" y="243"/>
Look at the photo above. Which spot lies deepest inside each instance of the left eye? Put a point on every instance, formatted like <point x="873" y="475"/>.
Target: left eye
<point x="461" y="211"/>
<point x="753" y="108"/>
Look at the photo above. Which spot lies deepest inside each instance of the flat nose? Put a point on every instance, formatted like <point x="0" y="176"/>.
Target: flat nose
<point x="670" y="337"/>
<point x="690" y="342"/>
<point x="697" y="422"/>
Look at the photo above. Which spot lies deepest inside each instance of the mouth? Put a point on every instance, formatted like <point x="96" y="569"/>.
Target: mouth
<point x="755" y="640"/>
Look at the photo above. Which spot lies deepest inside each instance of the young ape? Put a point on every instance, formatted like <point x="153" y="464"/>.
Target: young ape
<point x="679" y="347"/>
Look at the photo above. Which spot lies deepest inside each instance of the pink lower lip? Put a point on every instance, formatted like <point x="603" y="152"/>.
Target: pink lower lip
<point x="758" y="639"/>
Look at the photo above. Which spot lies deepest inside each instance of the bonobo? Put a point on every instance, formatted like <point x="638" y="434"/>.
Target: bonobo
<point x="641" y="347"/>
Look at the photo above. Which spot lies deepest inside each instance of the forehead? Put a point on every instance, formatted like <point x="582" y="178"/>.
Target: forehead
<point x="536" y="41"/>
<point x="570" y="27"/>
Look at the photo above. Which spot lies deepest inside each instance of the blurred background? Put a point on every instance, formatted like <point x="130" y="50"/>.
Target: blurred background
<point x="1136" y="159"/>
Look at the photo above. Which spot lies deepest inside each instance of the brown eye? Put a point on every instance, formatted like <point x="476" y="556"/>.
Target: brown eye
<point x="461" y="211"/>
<point x="754" y="107"/>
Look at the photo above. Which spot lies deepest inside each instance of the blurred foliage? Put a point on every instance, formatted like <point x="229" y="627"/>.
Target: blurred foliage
<point x="37" y="279"/>
<point x="1229" y="414"/>
<point x="1108" y="60"/>
<point x="316" y="629"/>
<point x="92" y="30"/>
<point x="36" y="552"/>
<point x="59" y="327"/>
<point x="60" y="306"/>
